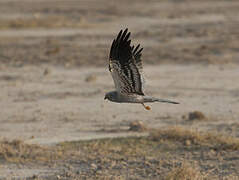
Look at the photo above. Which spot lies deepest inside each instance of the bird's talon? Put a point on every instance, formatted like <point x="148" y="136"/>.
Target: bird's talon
<point x="146" y="107"/>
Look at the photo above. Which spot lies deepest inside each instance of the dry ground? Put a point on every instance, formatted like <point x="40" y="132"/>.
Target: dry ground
<point x="173" y="153"/>
<point x="53" y="76"/>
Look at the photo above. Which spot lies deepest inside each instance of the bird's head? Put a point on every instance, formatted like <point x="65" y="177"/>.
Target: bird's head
<point x="111" y="96"/>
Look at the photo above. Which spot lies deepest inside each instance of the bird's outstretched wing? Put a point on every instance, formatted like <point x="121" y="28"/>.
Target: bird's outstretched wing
<point x="125" y="64"/>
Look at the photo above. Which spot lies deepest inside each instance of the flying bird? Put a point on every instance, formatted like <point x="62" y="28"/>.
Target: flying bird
<point x="125" y="65"/>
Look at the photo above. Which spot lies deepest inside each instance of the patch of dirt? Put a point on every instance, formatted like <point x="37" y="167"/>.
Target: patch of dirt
<point x="40" y="22"/>
<point x="91" y="78"/>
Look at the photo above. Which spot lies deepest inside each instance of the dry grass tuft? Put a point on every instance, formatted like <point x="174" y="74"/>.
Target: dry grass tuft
<point x="195" y="115"/>
<point x="137" y="126"/>
<point x="185" y="172"/>
<point x="16" y="151"/>
<point x="121" y="147"/>
<point x="189" y="137"/>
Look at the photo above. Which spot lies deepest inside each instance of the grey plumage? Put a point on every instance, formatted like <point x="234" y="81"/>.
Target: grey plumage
<point x="125" y="65"/>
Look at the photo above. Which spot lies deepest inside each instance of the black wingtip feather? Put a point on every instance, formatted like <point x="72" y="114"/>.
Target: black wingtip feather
<point x="119" y="35"/>
<point x="120" y="48"/>
<point x="137" y="47"/>
<point x="127" y="36"/>
<point x="137" y="53"/>
<point x="122" y="51"/>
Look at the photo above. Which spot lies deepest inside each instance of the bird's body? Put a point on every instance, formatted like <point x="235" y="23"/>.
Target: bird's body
<point x="114" y="96"/>
<point x="124" y="98"/>
<point x="125" y="65"/>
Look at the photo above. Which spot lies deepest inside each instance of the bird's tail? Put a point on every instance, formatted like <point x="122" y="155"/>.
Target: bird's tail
<point x="166" y="101"/>
<point x="152" y="99"/>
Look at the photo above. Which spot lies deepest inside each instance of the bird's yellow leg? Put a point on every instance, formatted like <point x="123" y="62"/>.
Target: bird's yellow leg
<point x="146" y="107"/>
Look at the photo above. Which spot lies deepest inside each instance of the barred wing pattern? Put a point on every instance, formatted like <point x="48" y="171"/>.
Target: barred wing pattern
<point x="125" y="65"/>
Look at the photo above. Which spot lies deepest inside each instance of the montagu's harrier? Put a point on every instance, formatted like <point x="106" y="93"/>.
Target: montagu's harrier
<point x="125" y="65"/>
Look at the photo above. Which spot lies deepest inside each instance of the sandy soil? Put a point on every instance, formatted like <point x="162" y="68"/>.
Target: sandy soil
<point x="53" y="71"/>
<point x="68" y="104"/>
